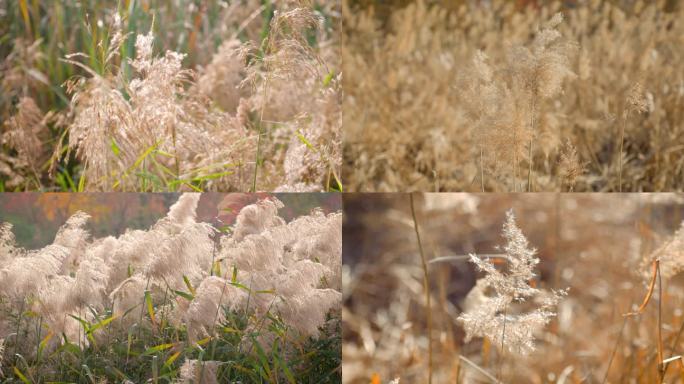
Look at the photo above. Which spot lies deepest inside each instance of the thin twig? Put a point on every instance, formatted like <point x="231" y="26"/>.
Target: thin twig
<point x="426" y="287"/>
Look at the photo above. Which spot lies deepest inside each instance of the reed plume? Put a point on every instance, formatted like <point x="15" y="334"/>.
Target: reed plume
<point x="492" y="315"/>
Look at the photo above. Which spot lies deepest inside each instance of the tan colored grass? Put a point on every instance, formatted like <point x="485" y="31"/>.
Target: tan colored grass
<point x="481" y="95"/>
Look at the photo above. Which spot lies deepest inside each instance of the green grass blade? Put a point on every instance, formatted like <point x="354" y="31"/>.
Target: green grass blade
<point x="21" y="376"/>
<point x="150" y="307"/>
<point x="157" y="348"/>
<point x="189" y="285"/>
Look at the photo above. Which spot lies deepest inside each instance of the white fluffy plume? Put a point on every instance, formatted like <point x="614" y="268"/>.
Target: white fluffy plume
<point x="186" y="271"/>
<point x="492" y="306"/>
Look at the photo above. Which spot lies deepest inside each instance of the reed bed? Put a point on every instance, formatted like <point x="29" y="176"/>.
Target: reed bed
<point x="478" y="96"/>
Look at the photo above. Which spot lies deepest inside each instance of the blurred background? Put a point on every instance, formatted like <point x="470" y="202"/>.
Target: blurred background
<point x="36" y="217"/>
<point x="36" y="35"/>
<point x="597" y="245"/>
<point x="386" y="7"/>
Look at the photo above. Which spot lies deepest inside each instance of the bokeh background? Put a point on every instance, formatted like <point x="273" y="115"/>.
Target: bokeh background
<point x="36" y="217"/>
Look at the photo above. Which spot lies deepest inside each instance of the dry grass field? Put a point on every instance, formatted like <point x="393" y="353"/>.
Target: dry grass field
<point x="573" y="95"/>
<point x="526" y="288"/>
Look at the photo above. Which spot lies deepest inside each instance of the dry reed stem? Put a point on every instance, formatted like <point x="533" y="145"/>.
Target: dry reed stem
<point x="480" y="369"/>
<point x="615" y="348"/>
<point x="651" y="289"/>
<point x="661" y="364"/>
<point x="622" y="144"/>
<point x="426" y="287"/>
<point x="649" y="294"/>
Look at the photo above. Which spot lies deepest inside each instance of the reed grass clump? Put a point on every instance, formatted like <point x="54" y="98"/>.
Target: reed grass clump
<point x="239" y="96"/>
<point x="259" y="300"/>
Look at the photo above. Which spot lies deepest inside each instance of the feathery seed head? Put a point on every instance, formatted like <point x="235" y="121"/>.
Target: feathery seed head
<point x="569" y="165"/>
<point x="636" y="100"/>
<point x="143" y="49"/>
<point x="255" y="218"/>
<point x="490" y="306"/>
<point x="199" y="372"/>
<point x="670" y="254"/>
<point x="25" y="133"/>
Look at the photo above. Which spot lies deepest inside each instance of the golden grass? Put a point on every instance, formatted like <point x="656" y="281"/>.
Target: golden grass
<point x="425" y="111"/>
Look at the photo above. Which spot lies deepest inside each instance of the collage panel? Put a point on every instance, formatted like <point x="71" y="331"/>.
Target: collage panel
<point x="170" y="96"/>
<point x="512" y="288"/>
<point x="170" y="288"/>
<point x="506" y="96"/>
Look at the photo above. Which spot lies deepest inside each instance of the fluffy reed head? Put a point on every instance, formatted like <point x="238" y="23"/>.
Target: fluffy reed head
<point x="491" y="306"/>
<point x="202" y="125"/>
<point x="285" y="272"/>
